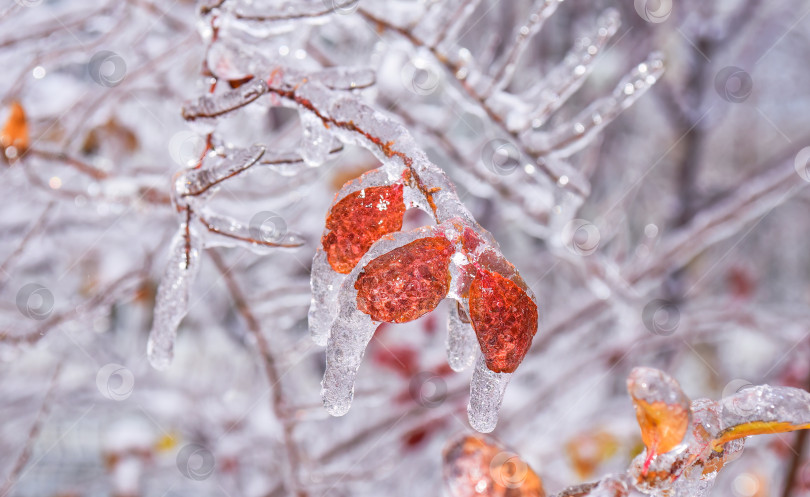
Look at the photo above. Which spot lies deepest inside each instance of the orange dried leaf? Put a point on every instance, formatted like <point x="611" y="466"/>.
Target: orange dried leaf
<point x="588" y="450"/>
<point x="15" y="132"/>
<point x="478" y="465"/>
<point x="662" y="410"/>
<point x="762" y="410"/>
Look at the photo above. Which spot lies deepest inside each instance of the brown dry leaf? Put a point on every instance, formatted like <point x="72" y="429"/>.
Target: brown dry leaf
<point x="111" y="133"/>
<point x="15" y="132"/>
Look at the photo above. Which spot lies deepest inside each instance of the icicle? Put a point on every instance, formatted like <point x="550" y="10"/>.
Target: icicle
<point x="197" y="181"/>
<point x="348" y="338"/>
<point x="171" y="304"/>
<point x="267" y="231"/>
<point x="323" y="308"/>
<point x="571" y="137"/>
<point x="316" y="141"/>
<point x="212" y="106"/>
<point x="486" y="394"/>
<point x="462" y="344"/>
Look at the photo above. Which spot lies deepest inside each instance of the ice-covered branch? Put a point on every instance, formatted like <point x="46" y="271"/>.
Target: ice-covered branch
<point x="568" y="138"/>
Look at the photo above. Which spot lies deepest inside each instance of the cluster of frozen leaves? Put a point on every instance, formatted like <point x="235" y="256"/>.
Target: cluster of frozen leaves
<point x="687" y="443"/>
<point x="367" y="271"/>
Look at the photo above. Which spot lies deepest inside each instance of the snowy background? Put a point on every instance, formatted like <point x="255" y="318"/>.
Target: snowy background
<point x="675" y="236"/>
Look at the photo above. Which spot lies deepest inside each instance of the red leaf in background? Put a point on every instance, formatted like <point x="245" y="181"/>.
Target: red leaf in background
<point x="400" y="359"/>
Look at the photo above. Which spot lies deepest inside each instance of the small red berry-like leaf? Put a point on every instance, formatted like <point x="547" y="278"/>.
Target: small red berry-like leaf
<point x="504" y="318"/>
<point x="358" y="220"/>
<point x="407" y="282"/>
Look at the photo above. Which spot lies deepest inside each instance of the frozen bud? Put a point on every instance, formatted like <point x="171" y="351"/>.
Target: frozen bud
<point x="662" y="410"/>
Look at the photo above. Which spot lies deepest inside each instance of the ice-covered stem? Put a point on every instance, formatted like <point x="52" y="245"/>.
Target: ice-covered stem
<point x="541" y="10"/>
<point x="33" y="434"/>
<point x="546" y="97"/>
<point x="122" y="287"/>
<point x="197" y="181"/>
<point x="277" y="400"/>
<point x="355" y="122"/>
<point x="213" y="106"/>
<point x="460" y="69"/>
<point x="571" y="137"/>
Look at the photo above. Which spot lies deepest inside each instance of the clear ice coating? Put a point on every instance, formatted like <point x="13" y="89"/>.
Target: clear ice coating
<point x="567" y="77"/>
<point x="571" y="137"/>
<point x="316" y="140"/>
<point x="346" y="78"/>
<point x="212" y="106"/>
<point x="486" y="394"/>
<point x="197" y="181"/>
<point x="171" y="303"/>
<point x="462" y="344"/>
<point x="766" y="404"/>
<point x="260" y="237"/>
